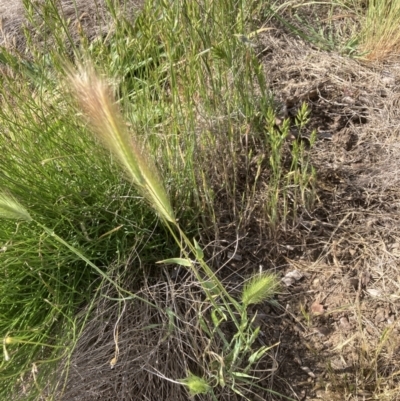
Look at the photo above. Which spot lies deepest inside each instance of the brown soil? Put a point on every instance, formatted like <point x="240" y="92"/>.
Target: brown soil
<point x="338" y="336"/>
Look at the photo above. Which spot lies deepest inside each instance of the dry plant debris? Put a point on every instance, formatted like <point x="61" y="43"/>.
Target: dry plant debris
<point x="84" y="16"/>
<point x="342" y="316"/>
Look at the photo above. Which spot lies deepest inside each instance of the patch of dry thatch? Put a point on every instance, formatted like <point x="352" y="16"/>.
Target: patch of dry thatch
<point x="89" y="16"/>
<point x="132" y="351"/>
<point x="348" y="246"/>
<point x="149" y="349"/>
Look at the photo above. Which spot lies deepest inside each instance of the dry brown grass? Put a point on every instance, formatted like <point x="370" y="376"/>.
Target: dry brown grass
<point x="155" y="347"/>
<point x="88" y="16"/>
<point x="380" y="32"/>
<point x="152" y="347"/>
<point x="347" y="248"/>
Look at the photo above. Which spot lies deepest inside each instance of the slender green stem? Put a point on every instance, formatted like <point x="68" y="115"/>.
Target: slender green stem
<point x="91" y="264"/>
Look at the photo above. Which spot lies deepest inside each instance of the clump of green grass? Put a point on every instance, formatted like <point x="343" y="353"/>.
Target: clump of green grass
<point x="189" y="90"/>
<point x="74" y="192"/>
<point x="330" y="26"/>
<point x="362" y="29"/>
<point x="290" y="189"/>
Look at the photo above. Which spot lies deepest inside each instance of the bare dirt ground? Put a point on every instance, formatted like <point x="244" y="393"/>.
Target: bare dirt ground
<point x="337" y="326"/>
<point x="12" y="20"/>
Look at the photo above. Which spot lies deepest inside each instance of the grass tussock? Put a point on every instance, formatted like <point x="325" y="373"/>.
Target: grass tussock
<point x="359" y="29"/>
<point x="379" y="36"/>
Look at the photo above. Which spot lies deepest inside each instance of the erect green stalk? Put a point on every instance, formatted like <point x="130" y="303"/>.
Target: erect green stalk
<point x="95" y="98"/>
<point x="223" y="293"/>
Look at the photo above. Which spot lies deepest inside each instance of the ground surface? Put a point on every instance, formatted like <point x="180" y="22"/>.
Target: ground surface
<point x="339" y="334"/>
<point x="86" y="15"/>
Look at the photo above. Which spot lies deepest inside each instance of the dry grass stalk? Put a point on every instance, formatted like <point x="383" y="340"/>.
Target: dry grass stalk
<point x="380" y="33"/>
<point x="95" y="99"/>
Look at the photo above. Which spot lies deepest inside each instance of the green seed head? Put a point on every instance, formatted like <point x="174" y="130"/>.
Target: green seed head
<point x="195" y="384"/>
<point x="11" y="209"/>
<point x="260" y="288"/>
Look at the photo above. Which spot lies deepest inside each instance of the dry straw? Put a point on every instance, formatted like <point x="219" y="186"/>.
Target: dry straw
<point x="96" y="101"/>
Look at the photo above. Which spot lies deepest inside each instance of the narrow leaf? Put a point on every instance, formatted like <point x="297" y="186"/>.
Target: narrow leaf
<point x="199" y="251"/>
<point x="176" y="261"/>
<point x="211" y="288"/>
<point x="204" y="326"/>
